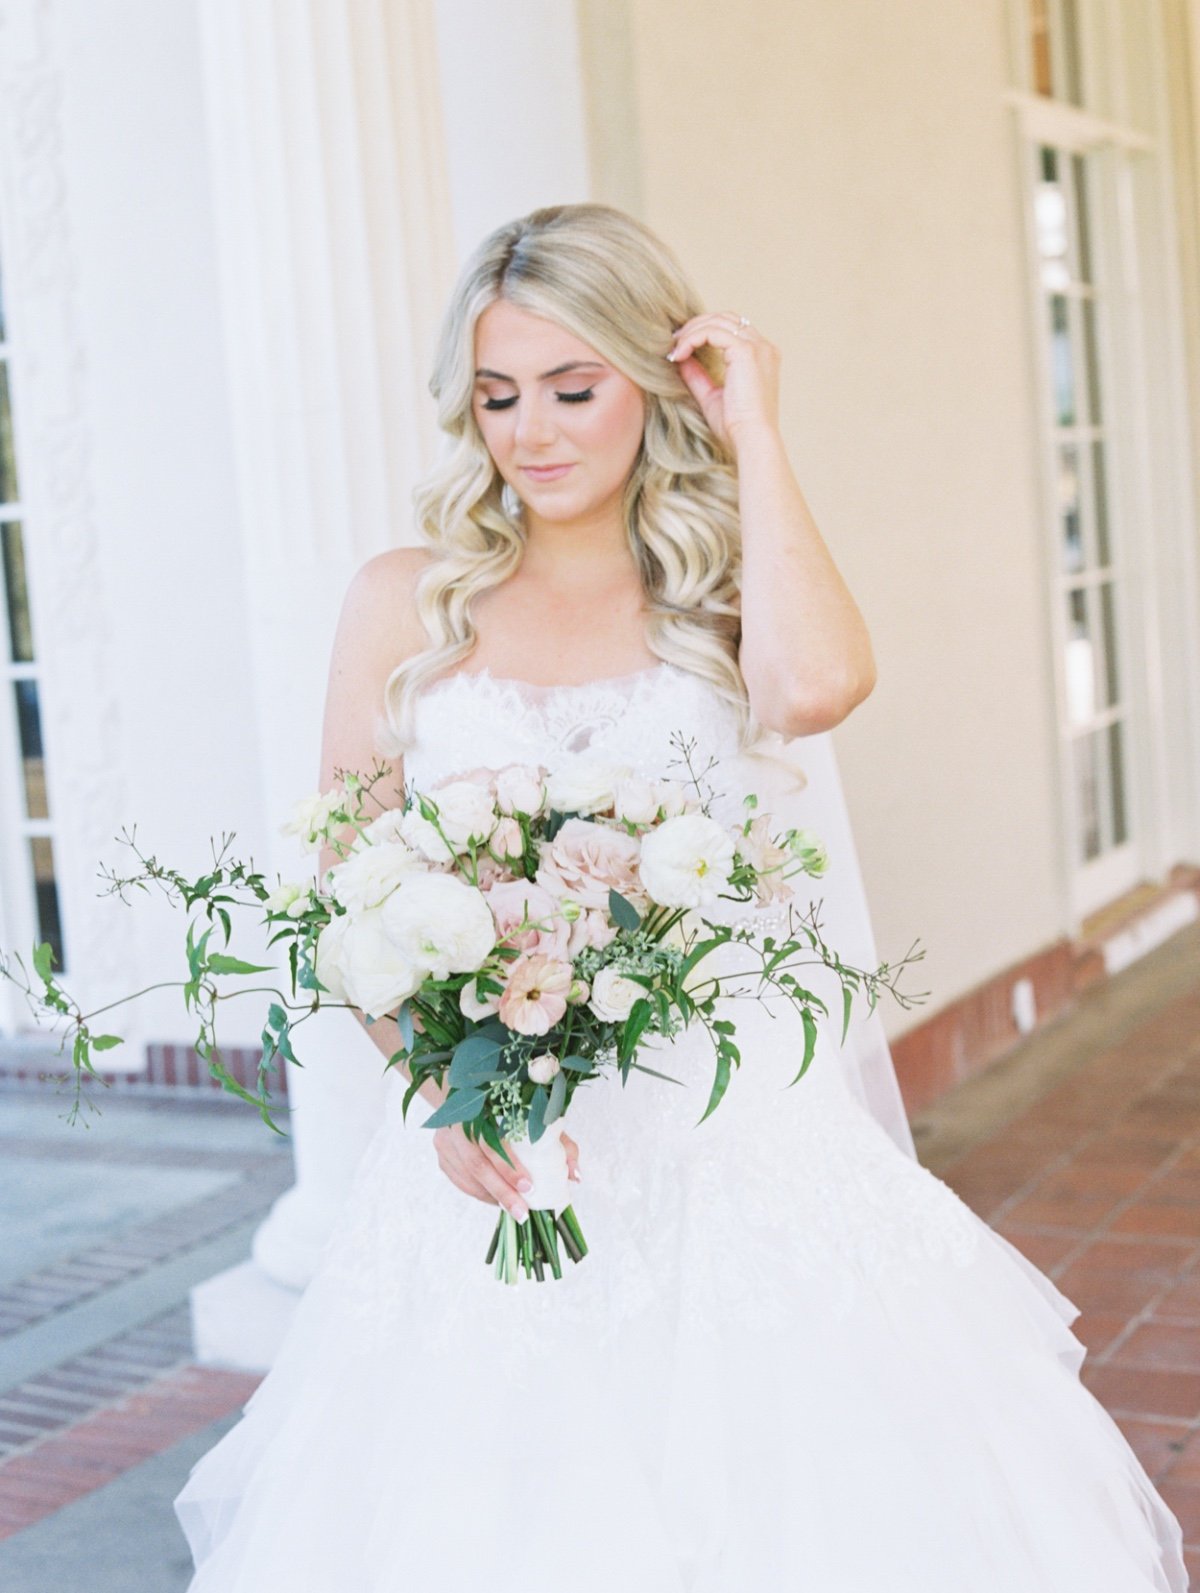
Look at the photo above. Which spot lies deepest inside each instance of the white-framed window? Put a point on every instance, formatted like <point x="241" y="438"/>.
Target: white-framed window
<point x="1090" y="97"/>
<point x="30" y="893"/>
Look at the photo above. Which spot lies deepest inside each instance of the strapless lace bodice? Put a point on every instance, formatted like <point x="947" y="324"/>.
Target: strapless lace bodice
<point x="476" y="720"/>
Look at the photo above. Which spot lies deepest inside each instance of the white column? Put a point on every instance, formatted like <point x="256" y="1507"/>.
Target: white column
<point x="350" y="140"/>
<point x="335" y="257"/>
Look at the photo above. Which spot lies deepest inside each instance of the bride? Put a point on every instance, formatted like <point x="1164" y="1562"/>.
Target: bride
<point x="793" y="1359"/>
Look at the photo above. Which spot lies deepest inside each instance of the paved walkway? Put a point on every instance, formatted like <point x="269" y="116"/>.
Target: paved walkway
<point x="1083" y="1148"/>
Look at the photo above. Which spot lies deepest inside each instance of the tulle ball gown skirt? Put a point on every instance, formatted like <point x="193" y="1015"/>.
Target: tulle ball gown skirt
<point x="793" y="1361"/>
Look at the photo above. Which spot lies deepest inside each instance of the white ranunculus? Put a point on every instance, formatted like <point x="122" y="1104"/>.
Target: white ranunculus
<point x="520" y="789"/>
<point x="311" y="815"/>
<point x="376" y="975"/>
<point x="687" y="861"/>
<point x="440" y="923"/>
<point x="584" y="785"/>
<point x="613" y="995"/>
<point x="466" y="812"/>
<point x="282" y="897"/>
<point x="636" y="800"/>
<point x="543" y="1068"/>
<point x="369" y="876"/>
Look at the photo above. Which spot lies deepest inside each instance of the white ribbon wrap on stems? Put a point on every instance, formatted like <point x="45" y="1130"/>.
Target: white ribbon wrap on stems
<point x="546" y="1161"/>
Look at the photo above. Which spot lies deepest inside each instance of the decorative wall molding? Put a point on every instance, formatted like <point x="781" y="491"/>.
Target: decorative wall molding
<point x="73" y="613"/>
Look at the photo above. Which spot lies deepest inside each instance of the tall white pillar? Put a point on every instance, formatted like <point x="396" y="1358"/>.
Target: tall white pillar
<point x="352" y="142"/>
<point x="334" y="240"/>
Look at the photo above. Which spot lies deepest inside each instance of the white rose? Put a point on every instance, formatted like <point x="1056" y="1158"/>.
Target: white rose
<point x="310" y="817"/>
<point x="583" y="785"/>
<point x="440" y="923"/>
<point x="387" y="827"/>
<point x="370" y="875"/>
<point x="420" y="834"/>
<point x="520" y="789"/>
<point x="543" y="1068"/>
<point x="466" y="812"/>
<point x="636" y="800"/>
<point x="613" y="995"/>
<point x="507" y="840"/>
<point x="471" y="1007"/>
<point x="282" y="898"/>
<point x="672" y="798"/>
<point x="330" y="953"/>
<point x="376" y="975"/>
<point x="687" y="861"/>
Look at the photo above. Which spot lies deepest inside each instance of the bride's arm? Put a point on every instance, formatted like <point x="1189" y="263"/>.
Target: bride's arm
<point x="377" y="629"/>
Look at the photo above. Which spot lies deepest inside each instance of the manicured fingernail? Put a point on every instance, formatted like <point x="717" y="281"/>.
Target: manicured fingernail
<point x="524" y="1185"/>
<point x="671" y="355"/>
<point x="520" y="1213"/>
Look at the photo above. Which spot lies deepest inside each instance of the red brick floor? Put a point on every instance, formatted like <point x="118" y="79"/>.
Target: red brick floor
<point x="1098" y="1183"/>
<point x="46" y="1475"/>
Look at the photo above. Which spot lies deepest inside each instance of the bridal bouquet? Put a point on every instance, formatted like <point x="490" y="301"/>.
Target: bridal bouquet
<point x="529" y="930"/>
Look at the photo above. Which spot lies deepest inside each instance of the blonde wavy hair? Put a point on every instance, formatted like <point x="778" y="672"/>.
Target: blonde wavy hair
<point x="608" y="279"/>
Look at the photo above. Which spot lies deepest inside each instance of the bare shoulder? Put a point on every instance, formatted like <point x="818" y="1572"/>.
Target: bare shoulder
<point x="379" y="619"/>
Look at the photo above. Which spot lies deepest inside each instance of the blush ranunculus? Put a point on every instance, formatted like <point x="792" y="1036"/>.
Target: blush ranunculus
<point x="535" y="996"/>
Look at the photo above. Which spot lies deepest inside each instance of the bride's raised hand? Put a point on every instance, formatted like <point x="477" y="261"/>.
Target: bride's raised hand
<point x="749" y="397"/>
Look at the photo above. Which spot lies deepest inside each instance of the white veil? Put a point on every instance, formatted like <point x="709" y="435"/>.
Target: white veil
<point x="798" y="782"/>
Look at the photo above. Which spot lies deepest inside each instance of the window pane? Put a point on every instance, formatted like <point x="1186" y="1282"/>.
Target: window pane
<point x="29" y="728"/>
<point x="46" y="892"/>
<point x="20" y="627"/>
<point x="1068" y="508"/>
<point x="1050" y="221"/>
<point x="1079" y="664"/>
<point x="1087" y="794"/>
<point x="1116" y="767"/>
<point x="1063" y="374"/>
<point x="8" y="463"/>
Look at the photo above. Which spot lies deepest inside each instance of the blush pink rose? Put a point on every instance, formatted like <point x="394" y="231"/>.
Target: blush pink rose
<point x="591" y="928"/>
<point x="515" y="901"/>
<point x="585" y="861"/>
<point x="535" y="996"/>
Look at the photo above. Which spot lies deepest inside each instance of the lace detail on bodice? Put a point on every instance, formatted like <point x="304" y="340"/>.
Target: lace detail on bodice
<point x="476" y="720"/>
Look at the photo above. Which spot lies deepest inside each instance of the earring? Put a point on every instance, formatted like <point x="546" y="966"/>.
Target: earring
<point x="511" y="503"/>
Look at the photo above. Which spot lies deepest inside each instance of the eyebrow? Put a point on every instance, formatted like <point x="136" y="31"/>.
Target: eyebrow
<point x="571" y="365"/>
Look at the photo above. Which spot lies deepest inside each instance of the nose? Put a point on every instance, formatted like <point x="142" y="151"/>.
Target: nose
<point x="534" y="423"/>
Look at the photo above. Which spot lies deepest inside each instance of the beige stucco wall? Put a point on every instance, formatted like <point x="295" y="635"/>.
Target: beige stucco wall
<point x="845" y="175"/>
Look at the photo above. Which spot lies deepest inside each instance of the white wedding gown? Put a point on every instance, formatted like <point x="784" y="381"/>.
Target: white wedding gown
<point x="794" y="1361"/>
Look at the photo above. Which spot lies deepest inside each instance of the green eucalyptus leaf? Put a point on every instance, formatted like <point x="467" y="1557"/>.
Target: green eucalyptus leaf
<point x="624" y="914"/>
<point x="458" y="1107"/>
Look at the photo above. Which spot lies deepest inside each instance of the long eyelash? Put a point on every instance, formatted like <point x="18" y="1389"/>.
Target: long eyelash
<point x="580" y="397"/>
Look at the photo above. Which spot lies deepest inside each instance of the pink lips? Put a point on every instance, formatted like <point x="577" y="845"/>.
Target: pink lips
<point x="546" y="472"/>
